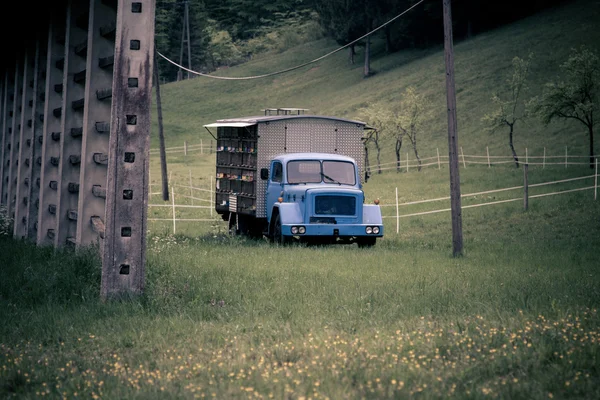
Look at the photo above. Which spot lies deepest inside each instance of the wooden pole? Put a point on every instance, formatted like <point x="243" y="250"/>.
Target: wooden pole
<point x="161" y="135"/>
<point x="487" y="149"/>
<point x="185" y="148"/>
<point x="455" y="202"/>
<point x="525" y="187"/>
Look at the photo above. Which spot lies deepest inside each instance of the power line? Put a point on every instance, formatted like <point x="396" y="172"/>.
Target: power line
<point x="298" y="66"/>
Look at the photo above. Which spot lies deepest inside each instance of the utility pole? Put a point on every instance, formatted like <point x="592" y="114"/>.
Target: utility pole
<point x="185" y="38"/>
<point x="455" y="203"/>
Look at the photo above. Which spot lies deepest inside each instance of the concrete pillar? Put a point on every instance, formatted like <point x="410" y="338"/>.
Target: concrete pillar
<point x="52" y="134"/>
<point x="15" y="134"/>
<point x="71" y="122"/>
<point x="96" y="122"/>
<point x="39" y="101"/>
<point x="124" y="256"/>
<point x="4" y="132"/>
<point x="26" y="140"/>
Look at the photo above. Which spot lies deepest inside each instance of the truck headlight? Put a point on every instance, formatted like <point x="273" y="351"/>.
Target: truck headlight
<point x="302" y="230"/>
<point x="376" y="230"/>
<point x="369" y="230"/>
<point x="294" y="230"/>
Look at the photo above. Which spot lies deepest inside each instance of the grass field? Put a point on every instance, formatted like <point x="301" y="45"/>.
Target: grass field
<point x="515" y="317"/>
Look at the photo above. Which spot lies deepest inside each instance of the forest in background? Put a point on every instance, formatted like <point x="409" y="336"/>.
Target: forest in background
<point x="223" y="33"/>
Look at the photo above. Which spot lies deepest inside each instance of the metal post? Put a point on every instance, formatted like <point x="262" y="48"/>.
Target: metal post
<point x="96" y="123"/>
<point x="455" y="201"/>
<point x="124" y="256"/>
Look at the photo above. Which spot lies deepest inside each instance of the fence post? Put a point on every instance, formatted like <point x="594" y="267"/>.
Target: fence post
<point x="566" y="156"/>
<point x="544" y="162"/>
<point x="487" y="149"/>
<point x="463" y="157"/>
<point x="525" y="187"/>
<point x="596" y="181"/>
<point x="173" y="202"/>
<point x="397" y="214"/>
<point x="212" y="198"/>
<point x="185" y="148"/>
<point x="438" y="153"/>
<point x="191" y="191"/>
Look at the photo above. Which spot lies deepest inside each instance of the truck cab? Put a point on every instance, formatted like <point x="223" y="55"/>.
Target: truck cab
<point x="318" y="198"/>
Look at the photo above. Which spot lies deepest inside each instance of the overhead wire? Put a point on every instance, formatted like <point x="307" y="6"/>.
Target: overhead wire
<point x="297" y="66"/>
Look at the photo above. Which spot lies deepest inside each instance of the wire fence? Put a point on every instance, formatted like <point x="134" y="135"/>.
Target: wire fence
<point x="201" y="200"/>
<point x="410" y="161"/>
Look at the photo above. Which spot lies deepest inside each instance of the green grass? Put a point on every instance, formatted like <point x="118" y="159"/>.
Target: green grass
<point x="225" y="317"/>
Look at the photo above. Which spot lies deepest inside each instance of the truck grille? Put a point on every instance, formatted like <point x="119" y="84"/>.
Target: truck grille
<point x="335" y="205"/>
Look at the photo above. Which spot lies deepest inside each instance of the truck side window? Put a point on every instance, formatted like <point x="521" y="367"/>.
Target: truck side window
<point x="277" y="175"/>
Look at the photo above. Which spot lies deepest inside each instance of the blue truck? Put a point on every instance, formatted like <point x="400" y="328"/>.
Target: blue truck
<point x="294" y="177"/>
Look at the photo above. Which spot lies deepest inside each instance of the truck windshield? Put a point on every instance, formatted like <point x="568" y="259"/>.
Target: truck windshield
<point x="311" y="171"/>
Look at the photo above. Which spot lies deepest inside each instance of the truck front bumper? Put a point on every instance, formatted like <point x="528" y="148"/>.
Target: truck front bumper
<point x="333" y="230"/>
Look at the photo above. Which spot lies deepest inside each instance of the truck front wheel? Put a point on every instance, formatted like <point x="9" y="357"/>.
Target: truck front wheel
<point x="277" y="235"/>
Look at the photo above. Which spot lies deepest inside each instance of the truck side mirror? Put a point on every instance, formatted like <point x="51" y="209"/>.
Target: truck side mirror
<point x="264" y="174"/>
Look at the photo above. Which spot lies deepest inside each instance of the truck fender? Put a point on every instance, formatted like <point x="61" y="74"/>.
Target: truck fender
<point x="372" y="214"/>
<point x="289" y="213"/>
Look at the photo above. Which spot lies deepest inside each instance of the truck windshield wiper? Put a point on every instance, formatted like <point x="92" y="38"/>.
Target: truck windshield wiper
<point x="331" y="179"/>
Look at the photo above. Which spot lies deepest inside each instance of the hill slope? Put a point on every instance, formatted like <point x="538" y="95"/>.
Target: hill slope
<point x="334" y="87"/>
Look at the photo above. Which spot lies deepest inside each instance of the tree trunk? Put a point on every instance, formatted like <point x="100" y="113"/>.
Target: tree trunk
<point x="414" y="145"/>
<point x="351" y="54"/>
<point x="512" y="147"/>
<point x="389" y="47"/>
<point x="398" y="148"/>
<point x="591" y="130"/>
<point x="367" y="70"/>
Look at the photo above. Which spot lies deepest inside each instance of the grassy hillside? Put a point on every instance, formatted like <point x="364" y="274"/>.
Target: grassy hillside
<point x="333" y="87"/>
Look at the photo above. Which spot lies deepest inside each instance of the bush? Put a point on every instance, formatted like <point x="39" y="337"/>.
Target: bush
<point x="6" y="222"/>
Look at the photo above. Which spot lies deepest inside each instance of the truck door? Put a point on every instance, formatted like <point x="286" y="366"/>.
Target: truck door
<point x="274" y="186"/>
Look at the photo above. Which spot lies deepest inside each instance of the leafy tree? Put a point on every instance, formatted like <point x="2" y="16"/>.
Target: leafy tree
<point x="377" y="117"/>
<point x="578" y="97"/>
<point x="408" y="120"/>
<point x="510" y="109"/>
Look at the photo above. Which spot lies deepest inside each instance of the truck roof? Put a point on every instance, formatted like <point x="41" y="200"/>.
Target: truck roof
<point x="313" y="156"/>
<point x="254" y="120"/>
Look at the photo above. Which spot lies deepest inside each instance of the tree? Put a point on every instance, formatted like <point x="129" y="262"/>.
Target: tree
<point x="577" y="98"/>
<point x="511" y="109"/>
<point x="378" y="118"/>
<point x="409" y="120"/>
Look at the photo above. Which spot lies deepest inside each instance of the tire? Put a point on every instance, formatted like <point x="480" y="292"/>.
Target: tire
<point x="366" y="242"/>
<point x="277" y="236"/>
